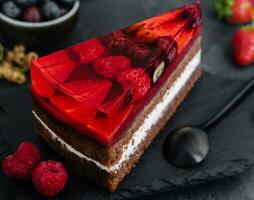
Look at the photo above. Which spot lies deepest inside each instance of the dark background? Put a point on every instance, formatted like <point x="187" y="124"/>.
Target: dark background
<point x="101" y="16"/>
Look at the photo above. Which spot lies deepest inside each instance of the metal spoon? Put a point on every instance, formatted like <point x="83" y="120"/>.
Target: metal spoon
<point x="186" y="146"/>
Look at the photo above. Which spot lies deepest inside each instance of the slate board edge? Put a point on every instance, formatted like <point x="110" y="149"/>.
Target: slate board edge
<point x="228" y="170"/>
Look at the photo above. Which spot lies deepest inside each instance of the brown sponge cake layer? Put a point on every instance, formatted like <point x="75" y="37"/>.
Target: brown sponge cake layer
<point x="109" y="155"/>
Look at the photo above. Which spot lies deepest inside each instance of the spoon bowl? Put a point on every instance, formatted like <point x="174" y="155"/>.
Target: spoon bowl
<point x="186" y="146"/>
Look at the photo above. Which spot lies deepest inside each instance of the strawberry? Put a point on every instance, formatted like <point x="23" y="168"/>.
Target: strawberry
<point x="61" y="71"/>
<point x="94" y="91"/>
<point x="137" y="81"/>
<point x="40" y="85"/>
<point x="76" y="111"/>
<point x="88" y="94"/>
<point x="235" y="11"/>
<point x="243" y="45"/>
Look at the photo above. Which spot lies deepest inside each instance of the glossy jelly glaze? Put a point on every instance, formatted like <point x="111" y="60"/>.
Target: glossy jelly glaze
<point x="100" y="85"/>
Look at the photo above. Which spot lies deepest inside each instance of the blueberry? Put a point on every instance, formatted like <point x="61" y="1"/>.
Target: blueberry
<point x="50" y="10"/>
<point x="10" y="9"/>
<point x="68" y="3"/>
<point x="26" y="3"/>
<point x="31" y="14"/>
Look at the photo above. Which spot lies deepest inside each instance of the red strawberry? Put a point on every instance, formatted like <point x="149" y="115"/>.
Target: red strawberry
<point x="89" y="50"/>
<point x="136" y="80"/>
<point x="111" y="66"/>
<point x="40" y="85"/>
<point x="76" y="111"/>
<point x="61" y="71"/>
<point x="94" y="91"/>
<point x="243" y="45"/>
<point x="87" y="95"/>
<point x="235" y="11"/>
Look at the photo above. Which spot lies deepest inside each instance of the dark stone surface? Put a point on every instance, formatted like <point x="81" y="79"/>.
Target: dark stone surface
<point x="232" y="140"/>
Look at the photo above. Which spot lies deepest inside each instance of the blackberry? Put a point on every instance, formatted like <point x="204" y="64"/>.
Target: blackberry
<point x="32" y="14"/>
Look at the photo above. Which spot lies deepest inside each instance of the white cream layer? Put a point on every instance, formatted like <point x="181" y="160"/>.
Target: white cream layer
<point x="151" y="119"/>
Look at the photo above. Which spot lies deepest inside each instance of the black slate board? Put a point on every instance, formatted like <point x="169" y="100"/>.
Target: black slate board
<point x="153" y="174"/>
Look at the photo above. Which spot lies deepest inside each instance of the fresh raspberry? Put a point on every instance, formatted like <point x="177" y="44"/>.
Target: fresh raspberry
<point x="111" y="66"/>
<point x="28" y="154"/>
<point x="89" y="50"/>
<point x="12" y="167"/>
<point x="138" y="52"/>
<point x="21" y="164"/>
<point x="136" y="80"/>
<point x="49" y="178"/>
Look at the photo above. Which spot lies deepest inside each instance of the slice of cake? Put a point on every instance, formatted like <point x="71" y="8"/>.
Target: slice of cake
<point x="101" y="103"/>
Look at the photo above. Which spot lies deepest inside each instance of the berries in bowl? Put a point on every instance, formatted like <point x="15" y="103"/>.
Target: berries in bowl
<point x="29" y="21"/>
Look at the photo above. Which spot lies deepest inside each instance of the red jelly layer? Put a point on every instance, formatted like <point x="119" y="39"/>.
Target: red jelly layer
<point x="100" y="85"/>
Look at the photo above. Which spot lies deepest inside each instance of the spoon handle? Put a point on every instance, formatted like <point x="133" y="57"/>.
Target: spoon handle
<point x="229" y="105"/>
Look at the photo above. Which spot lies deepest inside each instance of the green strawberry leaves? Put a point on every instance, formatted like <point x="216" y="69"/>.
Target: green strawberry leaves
<point x="224" y="8"/>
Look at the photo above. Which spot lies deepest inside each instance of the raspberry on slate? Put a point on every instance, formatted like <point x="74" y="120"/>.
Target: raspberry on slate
<point x="12" y="167"/>
<point x="111" y="66"/>
<point x="21" y="164"/>
<point x="49" y="178"/>
<point x="137" y="81"/>
<point x="28" y="154"/>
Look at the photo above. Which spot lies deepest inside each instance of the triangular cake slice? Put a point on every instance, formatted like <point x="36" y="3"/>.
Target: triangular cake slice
<point x="101" y="103"/>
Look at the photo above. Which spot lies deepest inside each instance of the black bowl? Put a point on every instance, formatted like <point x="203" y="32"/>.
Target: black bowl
<point x="40" y="34"/>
